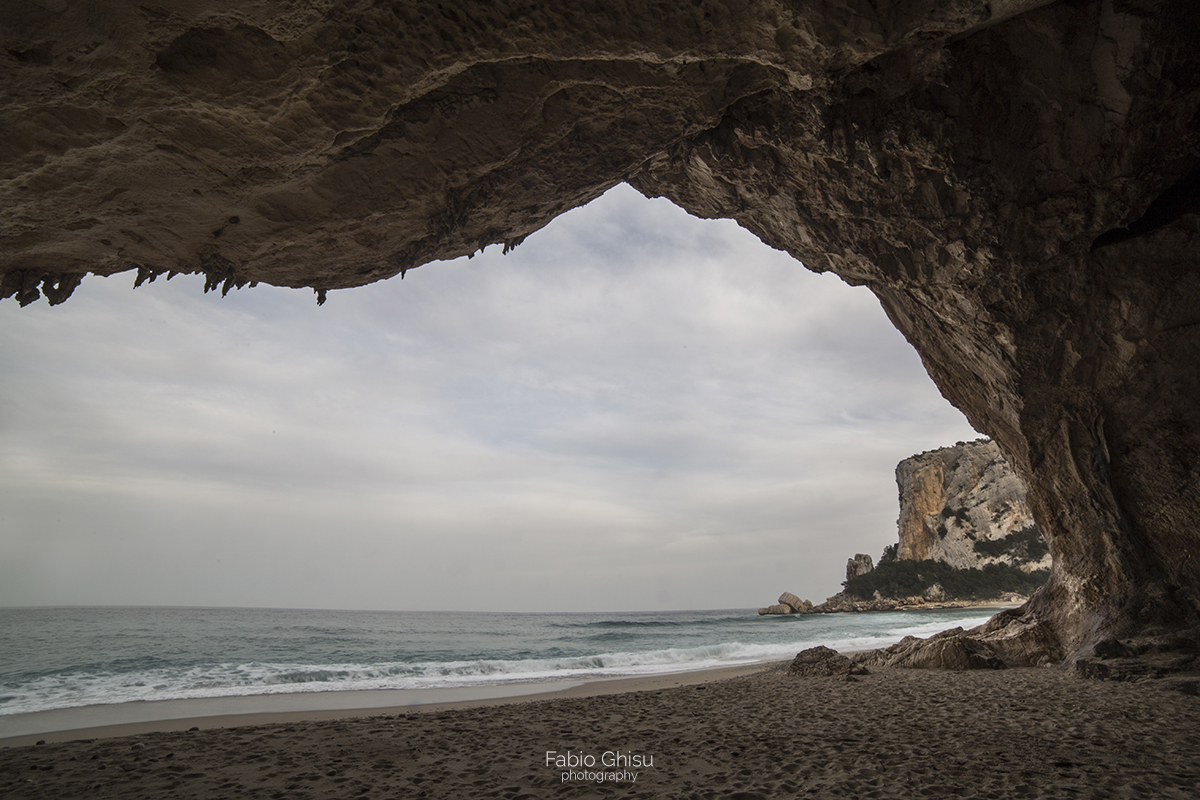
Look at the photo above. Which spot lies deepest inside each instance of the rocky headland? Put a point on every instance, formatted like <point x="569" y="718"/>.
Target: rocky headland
<point x="1017" y="181"/>
<point x="964" y="522"/>
<point x="964" y="506"/>
<point x="966" y="538"/>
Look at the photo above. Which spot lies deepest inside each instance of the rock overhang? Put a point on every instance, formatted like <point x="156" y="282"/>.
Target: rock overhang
<point x="1014" y="180"/>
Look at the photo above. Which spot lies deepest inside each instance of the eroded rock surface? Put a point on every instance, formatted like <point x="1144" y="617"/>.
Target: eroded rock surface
<point x="822" y="662"/>
<point x="778" y="609"/>
<point x="788" y="604"/>
<point x="955" y="500"/>
<point x="861" y="564"/>
<point x="1145" y="657"/>
<point x="952" y="649"/>
<point x="1018" y="182"/>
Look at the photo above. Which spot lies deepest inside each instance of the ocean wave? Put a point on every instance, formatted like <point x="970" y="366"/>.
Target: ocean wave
<point x="601" y="646"/>
<point x="654" y="623"/>
<point x="66" y="690"/>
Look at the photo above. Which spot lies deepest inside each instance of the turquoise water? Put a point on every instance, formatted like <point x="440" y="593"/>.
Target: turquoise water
<point x="53" y="658"/>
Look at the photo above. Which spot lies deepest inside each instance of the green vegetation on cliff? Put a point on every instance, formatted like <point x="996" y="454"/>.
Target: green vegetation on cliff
<point x="894" y="579"/>
<point x="1026" y="544"/>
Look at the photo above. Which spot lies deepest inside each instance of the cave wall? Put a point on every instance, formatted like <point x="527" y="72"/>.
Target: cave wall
<point x="1016" y="180"/>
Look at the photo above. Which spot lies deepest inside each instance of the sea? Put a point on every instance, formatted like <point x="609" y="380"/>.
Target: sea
<point x="61" y="658"/>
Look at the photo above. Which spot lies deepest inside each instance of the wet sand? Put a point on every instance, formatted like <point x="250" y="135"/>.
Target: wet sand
<point x="1021" y="733"/>
<point x="127" y="719"/>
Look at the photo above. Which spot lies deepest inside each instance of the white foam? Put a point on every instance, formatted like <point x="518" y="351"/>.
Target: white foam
<point x="233" y="680"/>
<point x="930" y="628"/>
<point x="263" y="678"/>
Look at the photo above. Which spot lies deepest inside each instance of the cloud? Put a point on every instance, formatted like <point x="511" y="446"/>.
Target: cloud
<point x="635" y="409"/>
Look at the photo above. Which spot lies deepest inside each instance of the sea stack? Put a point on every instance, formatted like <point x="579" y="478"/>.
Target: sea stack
<point x="861" y="564"/>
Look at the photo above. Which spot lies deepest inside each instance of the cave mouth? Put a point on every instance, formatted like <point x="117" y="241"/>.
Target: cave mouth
<point x="693" y="393"/>
<point x="977" y="165"/>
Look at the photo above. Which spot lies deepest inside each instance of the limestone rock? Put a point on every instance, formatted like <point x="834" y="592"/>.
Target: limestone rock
<point x="956" y="500"/>
<point x="955" y="653"/>
<point x="788" y="604"/>
<point x="1017" y="182"/>
<point x="841" y="603"/>
<point x="861" y="564"/>
<point x="952" y="649"/>
<point x="962" y="506"/>
<point x="1012" y="638"/>
<point x="795" y="603"/>
<point x="1020" y="637"/>
<point x="822" y="661"/>
<point x="1143" y="658"/>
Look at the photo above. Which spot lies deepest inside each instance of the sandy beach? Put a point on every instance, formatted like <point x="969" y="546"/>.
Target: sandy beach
<point x="891" y="734"/>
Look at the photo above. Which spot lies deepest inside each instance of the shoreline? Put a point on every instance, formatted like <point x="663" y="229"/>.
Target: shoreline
<point x="947" y="605"/>
<point x="1039" y="734"/>
<point x="136" y="717"/>
<point x="159" y="716"/>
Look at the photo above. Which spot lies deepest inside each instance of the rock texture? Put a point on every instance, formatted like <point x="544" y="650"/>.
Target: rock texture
<point x="795" y="603"/>
<point x="861" y="564"/>
<point x="960" y="505"/>
<point x="777" y="609"/>
<point x="1017" y="181"/>
<point x="956" y="498"/>
<point x="842" y="603"/>
<point x="821" y="661"/>
<point x="1008" y="639"/>
<point x="1142" y="658"/>
<point x="950" y="649"/>
<point x="788" y="604"/>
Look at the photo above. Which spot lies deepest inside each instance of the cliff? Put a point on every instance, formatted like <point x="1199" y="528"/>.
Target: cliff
<point x="966" y="534"/>
<point x="1017" y="181"/>
<point x="962" y="505"/>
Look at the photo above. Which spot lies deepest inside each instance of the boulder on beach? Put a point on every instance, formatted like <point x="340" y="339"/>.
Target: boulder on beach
<point x="953" y="649"/>
<point x="821" y="661"/>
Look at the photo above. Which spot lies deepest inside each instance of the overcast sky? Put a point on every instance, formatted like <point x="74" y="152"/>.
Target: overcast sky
<point x="635" y="410"/>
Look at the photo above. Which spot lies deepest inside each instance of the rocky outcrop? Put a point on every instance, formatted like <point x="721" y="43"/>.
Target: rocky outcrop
<point x="1008" y="639"/>
<point x="842" y="603"/>
<point x="776" y="610"/>
<point x="958" y="504"/>
<point x="961" y="509"/>
<point x="1144" y="657"/>
<point x="1018" y="183"/>
<point x="1002" y="643"/>
<point x="788" y="604"/>
<point x="861" y="564"/>
<point x="950" y="649"/>
<point x="822" y="662"/>
<point x="795" y="603"/>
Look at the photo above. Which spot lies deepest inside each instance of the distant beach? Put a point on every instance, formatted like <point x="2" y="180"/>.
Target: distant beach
<point x="753" y="733"/>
